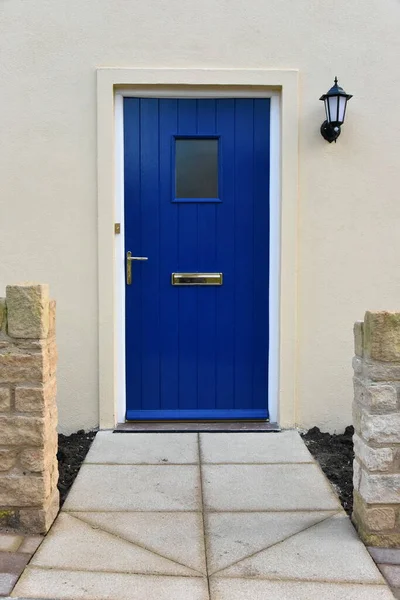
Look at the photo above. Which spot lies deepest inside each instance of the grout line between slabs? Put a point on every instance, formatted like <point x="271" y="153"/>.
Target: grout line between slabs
<point x="300" y="581"/>
<point x="203" y="514"/>
<point x="111" y="572"/>
<point x="142" y="464"/>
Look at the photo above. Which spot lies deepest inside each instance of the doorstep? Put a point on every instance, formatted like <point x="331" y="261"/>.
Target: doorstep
<point x="195" y="426"/>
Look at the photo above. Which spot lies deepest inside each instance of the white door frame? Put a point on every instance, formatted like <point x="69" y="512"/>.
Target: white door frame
<point x="113" y="86"/>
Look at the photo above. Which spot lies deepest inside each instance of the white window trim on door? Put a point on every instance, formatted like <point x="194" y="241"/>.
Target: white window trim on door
<point x="281" y="87"/>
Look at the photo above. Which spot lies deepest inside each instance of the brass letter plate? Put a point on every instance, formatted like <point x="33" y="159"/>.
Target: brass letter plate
<point x="196" y="278"/>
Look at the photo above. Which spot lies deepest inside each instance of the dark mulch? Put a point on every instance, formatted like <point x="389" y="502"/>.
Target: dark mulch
<point x="334" y="452"/>
<point x="72" y="450"/>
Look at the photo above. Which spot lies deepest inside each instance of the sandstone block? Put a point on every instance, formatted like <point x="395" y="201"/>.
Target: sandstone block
<point x="5" y="399"/>
<point x="8" y="458"/>
<point x="26" y="344"/>
<point x="356" y="475"/>
<point x="9" y="518"/>
<point x="16" y="367"/>
<point x="52" y="318"/>
<point x="358" y="364"/>
<point x="358" y="415"/>
<point x="358" y="338"/>
<point x="51" y="359"/>
<point x="381" y="429"/>
<point x="375" y="518"/>
<point x="378" y="397"/>
<point x="380" y="489"/>
<point x="39" y="520"/>
<point x="34" y="459"/>
<point x="35" y="398"/>
<point x="381" y="371"/>
<point x="2" y="312"/>
<point x="30" y="399"/>
<point x="22" y="490"/>
<point x="375" y="459"/>
<point x="16" y="430"/>
<point x="28" y="310"/>
<point x="382" y="336"/>
<point x="382" y="397"/>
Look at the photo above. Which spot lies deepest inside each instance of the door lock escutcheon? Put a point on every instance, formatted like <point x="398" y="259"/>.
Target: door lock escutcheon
<point x="129" y="259"/>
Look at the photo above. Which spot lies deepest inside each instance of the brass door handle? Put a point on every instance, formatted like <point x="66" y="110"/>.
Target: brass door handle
<point x="129" y="259"/>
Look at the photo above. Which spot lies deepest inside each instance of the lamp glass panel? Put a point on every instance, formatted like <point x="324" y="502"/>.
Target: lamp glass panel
<point x="326" y="109"/>
<point x="342" y="108"/>
<point x="333" y="108"/>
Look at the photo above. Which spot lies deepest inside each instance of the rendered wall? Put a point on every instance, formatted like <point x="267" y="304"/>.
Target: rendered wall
<point x="348" y="192"/>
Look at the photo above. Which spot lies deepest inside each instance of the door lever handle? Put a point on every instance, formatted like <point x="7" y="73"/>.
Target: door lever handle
<point x="129" y="259"/>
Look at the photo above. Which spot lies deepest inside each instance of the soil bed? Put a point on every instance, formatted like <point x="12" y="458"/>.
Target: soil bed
<point x="335" y="456"/>
<point x="72" y="450"/>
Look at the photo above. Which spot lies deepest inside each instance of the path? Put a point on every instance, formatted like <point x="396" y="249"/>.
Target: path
<point x="209" y="516"/>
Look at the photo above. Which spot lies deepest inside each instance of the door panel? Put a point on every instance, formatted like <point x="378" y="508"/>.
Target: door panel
<point x="196" y="352"/>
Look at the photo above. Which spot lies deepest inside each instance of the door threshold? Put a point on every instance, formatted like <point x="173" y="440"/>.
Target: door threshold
<point x="195" y="427"/>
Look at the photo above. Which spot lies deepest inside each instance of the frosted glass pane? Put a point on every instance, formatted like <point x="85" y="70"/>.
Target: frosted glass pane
<point x="196" y="168"/>
<point x="342" y="108"/>
<point x="333" y="108"/>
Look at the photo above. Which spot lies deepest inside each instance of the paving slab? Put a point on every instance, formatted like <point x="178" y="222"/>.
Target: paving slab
<point x="390" y="556"/>
<point x="392" y="574"/>
<point x="176" y="536"/>
<point x="30" y="544"/>
<point x="144" y="448"/>
<point x="71" y="585"/>
<point x="135" y="488"/>
<point x="75" y="545"/>
<point x="242" y="589"/>
<point x="234" y="536"/>
<point x="7" y="582"/>
<point x="284" y="447"/>
<point x="266" y="487"/>
<point x="330" y="551"/>
<point x="10" y="542"/>
<point x="13" y="562"/>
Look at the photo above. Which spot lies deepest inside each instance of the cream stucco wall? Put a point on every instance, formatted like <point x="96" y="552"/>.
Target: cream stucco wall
<point x="349" y="207"/>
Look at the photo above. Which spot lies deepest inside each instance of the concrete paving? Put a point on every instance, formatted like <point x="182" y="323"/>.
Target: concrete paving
<point x="188" y="516"/>
<point x="15" y="552"/>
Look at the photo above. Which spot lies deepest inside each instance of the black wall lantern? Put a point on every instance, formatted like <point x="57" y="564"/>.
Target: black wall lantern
<point x="335" y="107"/>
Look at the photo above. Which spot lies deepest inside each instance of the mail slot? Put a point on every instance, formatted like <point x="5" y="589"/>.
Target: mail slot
<point x="196" y="278"/>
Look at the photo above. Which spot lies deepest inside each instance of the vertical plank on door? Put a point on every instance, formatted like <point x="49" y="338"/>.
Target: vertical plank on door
<point x="188" y="260"/>
<point x="225" y="226"/>
<point x="133" y="231"/>
<point x="261" y="251"/>
<point x="206" y="296"/>
<point x="244" y="258"/>
<point x="169" y="297"/>
<point x="150" y="224"/>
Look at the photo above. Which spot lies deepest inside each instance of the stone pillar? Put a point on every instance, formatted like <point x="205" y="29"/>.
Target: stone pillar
<point x="376" y="416"/>
<point x="29" y="499"/>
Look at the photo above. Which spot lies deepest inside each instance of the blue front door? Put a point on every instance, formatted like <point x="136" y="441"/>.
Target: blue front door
<point x="197" y="201"/>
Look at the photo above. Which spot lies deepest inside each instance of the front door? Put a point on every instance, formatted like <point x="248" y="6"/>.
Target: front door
<point x="197" y="208"/>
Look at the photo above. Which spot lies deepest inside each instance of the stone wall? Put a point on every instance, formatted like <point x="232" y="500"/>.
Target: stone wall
<point x="376" y="416"/>
<point x="29" y="498"/>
